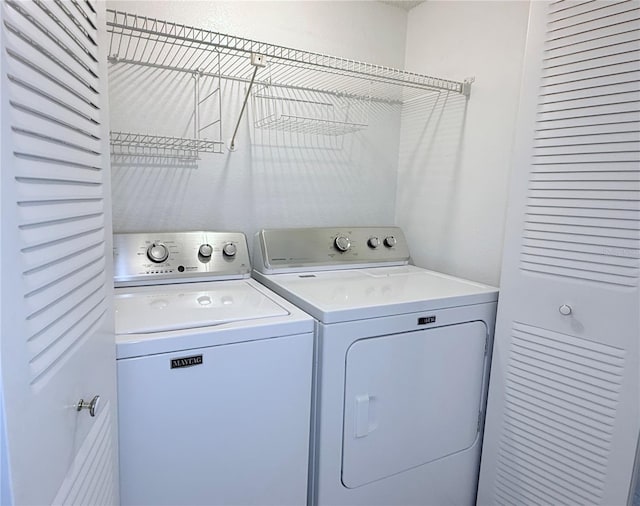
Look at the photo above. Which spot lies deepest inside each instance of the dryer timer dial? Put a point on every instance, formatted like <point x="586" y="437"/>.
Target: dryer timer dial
<point x="229" y="249"/>
<point x="390" y="241"/>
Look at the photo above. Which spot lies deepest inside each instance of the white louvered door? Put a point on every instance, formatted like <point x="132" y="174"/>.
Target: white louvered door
<point x="563" y="413"/>
<point x="57" y="340"/>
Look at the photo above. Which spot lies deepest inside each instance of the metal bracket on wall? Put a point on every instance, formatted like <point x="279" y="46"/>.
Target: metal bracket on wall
<point x="466" y="86"/>
<point x="257" y="60"/>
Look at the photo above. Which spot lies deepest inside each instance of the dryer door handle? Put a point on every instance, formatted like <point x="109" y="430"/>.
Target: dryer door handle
<point x="365" y="415"/>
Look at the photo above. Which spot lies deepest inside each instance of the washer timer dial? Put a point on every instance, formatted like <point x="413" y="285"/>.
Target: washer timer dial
<point x="157" y="252"/>
<point x="342" y="243"/>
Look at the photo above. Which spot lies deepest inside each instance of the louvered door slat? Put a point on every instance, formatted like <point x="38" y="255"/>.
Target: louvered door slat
<point x="559" y="217"/>
<point x="42" y="125"/>
<point x="40" y="279"/>
<point x="562" y="421"/>
<point x="50" y="231"/>
<point x="73" y="486"/>
<point x="596" y="146"/>
<point x="575" y="182"/>
<point x="557" y="111"/>
<point x="597" y="29"/>
<point x="46" y="72"/>
<point x="45" y="305"/>
<point x="45" y="104"/>
<point x="629" y="74"/>
<point x="554" y="139"/>
<point x="33" y="215"/>
<point x="589" y="252"/>
<point x="579" y="12"/>
<point x="51" y="338"/>
<point x="608" y="245"/>
<point x="31" y="190"/>
<point x="53" y="62"/>
<point x="568" y="6"/>
<point x="57" y="106"/>
<point x="587" y="130"/>
<point x="598" y="19"/>
<point x="88" y="32"/>
<point x="83" y="9"/>
<point x="587" y="100"/>
<point x="56" y="150"/>
<point x="576" y="9"/>
<point x="44" y="170"/>
<point x="66" y="40"/>
<point x="603" y="47"/>
<point x="586" y="211"/>
<point x="45" y="255"/>
<point x="593" y="175"/>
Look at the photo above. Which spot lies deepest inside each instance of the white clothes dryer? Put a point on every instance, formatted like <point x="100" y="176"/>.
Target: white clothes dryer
<point x="401" y="365"/>
<point x="214" y="376"/>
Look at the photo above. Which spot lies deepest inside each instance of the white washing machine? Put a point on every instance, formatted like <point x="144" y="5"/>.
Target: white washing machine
<point x="401" y="365"/>
<point x="214" y="376"/>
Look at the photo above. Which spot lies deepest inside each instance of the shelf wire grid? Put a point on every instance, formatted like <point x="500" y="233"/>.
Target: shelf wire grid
<point x="306" y="112"/>
<point x="155" y="43"/>
<point x="144" y="145"/>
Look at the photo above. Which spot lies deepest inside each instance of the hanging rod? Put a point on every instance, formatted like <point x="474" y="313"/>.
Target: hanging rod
<point x="153" y="42"/>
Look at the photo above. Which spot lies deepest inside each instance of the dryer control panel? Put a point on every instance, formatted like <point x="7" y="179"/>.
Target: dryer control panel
<point x="179" y="257"/>
<point x="299" y="249"/>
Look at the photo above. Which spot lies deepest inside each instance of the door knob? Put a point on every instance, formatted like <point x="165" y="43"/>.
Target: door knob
<point x="565" y="309"/>
<point x="91" y="406"/>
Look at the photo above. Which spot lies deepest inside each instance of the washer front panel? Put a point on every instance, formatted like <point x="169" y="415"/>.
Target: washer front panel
<point x="165" y="257"/>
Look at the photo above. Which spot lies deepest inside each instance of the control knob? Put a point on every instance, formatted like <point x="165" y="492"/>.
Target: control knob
<point x="205" y="250"/>
<point x="229" y="249"/>
<point x="373" y="242"/>
<point x="157" y="252"/>
<point x="342" y="243"/>
<point x="390" y="241"/>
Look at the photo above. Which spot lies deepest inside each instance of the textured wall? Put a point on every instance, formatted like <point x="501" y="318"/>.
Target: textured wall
<point x="455" y="155"/>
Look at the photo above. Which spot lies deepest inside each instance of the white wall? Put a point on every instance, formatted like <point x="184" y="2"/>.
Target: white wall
<point x="269" y="181"/>
<point x="455" y="159"/>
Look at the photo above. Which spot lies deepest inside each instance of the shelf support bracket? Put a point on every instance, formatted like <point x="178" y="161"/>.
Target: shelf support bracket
<point x="466" y="86"/>
<point x="257" y="60"/>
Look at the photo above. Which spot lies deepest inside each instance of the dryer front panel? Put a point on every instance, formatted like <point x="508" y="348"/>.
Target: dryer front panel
<point x="410" y="399"/>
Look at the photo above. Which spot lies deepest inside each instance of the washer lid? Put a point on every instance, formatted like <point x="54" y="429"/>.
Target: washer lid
<point x="178" y="307"/>
<point x="348" y="295"/>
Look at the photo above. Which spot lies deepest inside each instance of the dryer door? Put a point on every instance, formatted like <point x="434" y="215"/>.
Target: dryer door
<point x="410" y="399"/>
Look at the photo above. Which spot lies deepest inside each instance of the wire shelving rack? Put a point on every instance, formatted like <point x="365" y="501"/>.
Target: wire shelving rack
<point x="151" y="42"/>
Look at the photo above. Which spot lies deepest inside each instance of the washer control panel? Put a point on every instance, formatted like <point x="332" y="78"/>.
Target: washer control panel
<point x="294" y="248"/>
<point x="178" y="257"/>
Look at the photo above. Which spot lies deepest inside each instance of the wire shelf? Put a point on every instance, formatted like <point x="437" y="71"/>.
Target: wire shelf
<point x="299" y="124"/>
<point x="156" y="43"/>
<point x="144" y="145"/>
<point x="305" y="112"/>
